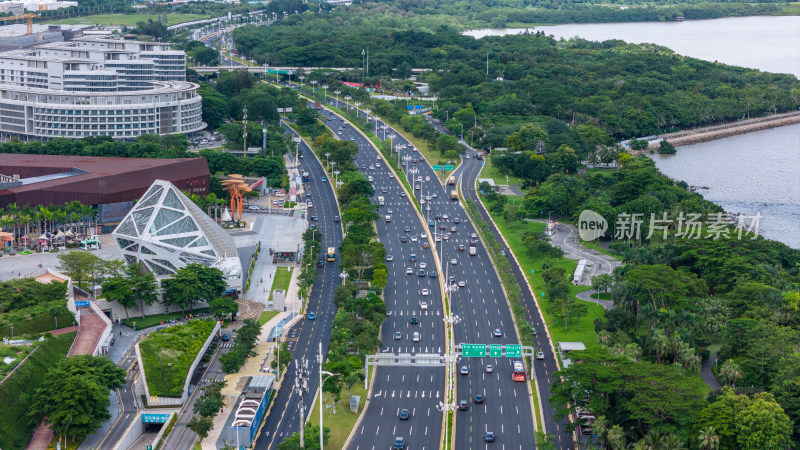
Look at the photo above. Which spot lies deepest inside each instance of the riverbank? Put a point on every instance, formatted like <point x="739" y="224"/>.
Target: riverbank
<point x="704" y="134"/>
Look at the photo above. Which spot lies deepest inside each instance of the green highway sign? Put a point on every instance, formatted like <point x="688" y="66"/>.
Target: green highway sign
<point x="448" y="167"/>
<point x="513" y="351"/>
<point x="495" y="351"/>
<point x="473" y="350"/>
<point x="437" y="167"/>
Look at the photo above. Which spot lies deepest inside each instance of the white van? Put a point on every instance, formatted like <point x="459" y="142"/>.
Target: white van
<point x="416" y="336"/>
<point x="381" y="201"/>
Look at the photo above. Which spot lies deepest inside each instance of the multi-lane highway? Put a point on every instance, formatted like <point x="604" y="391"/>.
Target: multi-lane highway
<point x="481" y="308"/>
<point x="544" y="369"/>
<point x="284" y="418"/>
<point x="416" y="295"/>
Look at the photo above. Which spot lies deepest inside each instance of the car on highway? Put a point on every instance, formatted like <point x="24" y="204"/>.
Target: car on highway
<point x="461" y="247"/>
<point x="398" y="443"/>
<point x="253" y="208"/>
<point x="442" y="227"/>
<point x="489" y="368"/>
<point x="437" y="238"/>
<point x="414" y="238"/>
<point x="478" y="398"/>
<point x="412" y="258"/>
<point x="421" y="272"/>
<point x="403" y="239"/>
<point x="425" y="292"/>
<point x="453" y="262"/>
<point x="324" y="178"/>
<point x="456" y="220"/>
<point x="311" y="316"/>
<point x="451" y="279"/>
<point x="413" y="321"/>
<point x="314" y="218"/>
<point x="446" y="237"/>
<point x="422" y="201"/>
<point x="309" y="205"/>
<point x="435" y="195"/>
<point x="423" y="265"/>
<point x="497" y="332"/>
<point x="320" y="263"/>
<point x="462" y="405"/>
<point x="416" y="337"/>
<point x="403" y="414"/>
<point x="389" y="258"/>
<point x="407" y="229"/>
<point x="336" y="218"/>
<point x="389" y="211"/>
<point x="409" y="271"/>
<point x="445" y="217"/>
<point x="402" y="194"/>
<point x="433" y="274"/>
<point x="423" y="235"/>
<point x="416" y="187"/>
<point x="540" y="355"/>
<point x="474" y="236"/>
<point x="431" y="223"/>
<point x="452" y="229"/>
<point x="363" y="167"/>
<point x="371" y="167"/>
<point x="225" y="338"/>
<point x="398" y="336"/>
<point x="464" y="370"/>
<point x="489" y="436"/>
<point x="425" y="245"/>
<point x="423" y="306"/>
<point x="462" y="283"/>
<point x="391" y="175"/>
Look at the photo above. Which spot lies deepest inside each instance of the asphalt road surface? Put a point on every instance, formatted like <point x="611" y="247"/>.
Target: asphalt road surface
<point x="417" y="389"/>
<point x="481" y="308"/>
<point x="304" y="337"/>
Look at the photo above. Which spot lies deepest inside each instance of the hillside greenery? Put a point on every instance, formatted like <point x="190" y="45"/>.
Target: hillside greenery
<point x="16" y="392"/>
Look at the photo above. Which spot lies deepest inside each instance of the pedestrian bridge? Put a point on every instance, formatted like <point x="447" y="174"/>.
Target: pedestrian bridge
<point x="281" y="70"/>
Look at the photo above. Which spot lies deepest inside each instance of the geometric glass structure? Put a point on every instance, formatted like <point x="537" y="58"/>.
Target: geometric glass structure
<point x="165" y="231"/>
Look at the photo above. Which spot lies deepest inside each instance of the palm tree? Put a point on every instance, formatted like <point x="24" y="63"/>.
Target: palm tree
<point x="600" y="428"/>
<point x="637" y="445"/>
<point x="672" y="442"/>
<point x="652" y="440"/>
<point x="616" y="438"/>
<point x="730" y="372"/>
<point x="708" y="439"/>
<point x="661" y="345"/>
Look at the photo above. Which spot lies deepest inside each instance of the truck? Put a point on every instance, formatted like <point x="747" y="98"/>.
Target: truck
<point x="317" y="105"/>
<point x="472" y="249"/>
<point x="454" y="195"/>
<point x="381" y="201"/>
<point x="452" y="180"/>
<point x="388" y="218"/>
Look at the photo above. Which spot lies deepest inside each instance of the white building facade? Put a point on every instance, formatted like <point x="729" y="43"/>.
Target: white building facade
<point x="167" y="231"/>
<point x="96" y="87"/>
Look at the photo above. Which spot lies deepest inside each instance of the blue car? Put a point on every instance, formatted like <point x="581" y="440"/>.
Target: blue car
<point x="311" y="316"/>
<point x="324" y="179"/>
<point x="431" y="223"/>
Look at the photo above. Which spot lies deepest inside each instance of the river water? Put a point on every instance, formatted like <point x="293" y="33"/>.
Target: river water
<point x="752" y="173"/>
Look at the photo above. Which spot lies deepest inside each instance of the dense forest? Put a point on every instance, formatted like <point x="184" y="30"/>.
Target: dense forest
<point x="679" y="296"/>
<point x="612" y="89"/>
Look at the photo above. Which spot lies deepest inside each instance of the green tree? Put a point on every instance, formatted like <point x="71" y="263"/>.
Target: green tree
<point x="200" y="425"/>
<point x="116" y="289"/>
<point x="205" y="56"/>
<point x="73" y="397"/>
<point x="311" y="439"/>
<point x="223" y="306"/>
<point x="544" y="441"/>
<point x="602" y="282"/>
<point x="763" y="425"/>
<point x="80" y="266"/>
<point x="708" y="439"/>
<point x="142" y="284"/>
<point x="666" y="148"/>
<point x="192" y="284"/>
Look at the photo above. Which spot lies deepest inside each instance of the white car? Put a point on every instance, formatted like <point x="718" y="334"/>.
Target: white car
<point x="413" y="238"/>
<point x="425" y="292"/>
<point x="377" y="164"/>
<point x="453" y="262"/>
<point x="409" y="271"/>
<point x="423" y="305"/>
<point x="423" y="265"/>
<point x="422" y="201"/>
<point x="423" y="235"/>
<point x="438" y="238"/>
<point x="462" y="283"/>
<point x="309" y="205"/>
<point x="371" y="167"/>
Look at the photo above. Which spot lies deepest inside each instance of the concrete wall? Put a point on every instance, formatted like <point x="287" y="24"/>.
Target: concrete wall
<point x="105" y="337"/>
<point x="132" y="433"/>
<point x="118" y="312"/>
<point x="192" y="368"/>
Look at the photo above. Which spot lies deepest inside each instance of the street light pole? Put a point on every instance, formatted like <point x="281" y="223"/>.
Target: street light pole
<point x="321" y="382"/>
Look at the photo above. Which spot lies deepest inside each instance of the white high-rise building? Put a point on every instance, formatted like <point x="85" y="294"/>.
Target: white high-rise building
<point x="96" y="87"/>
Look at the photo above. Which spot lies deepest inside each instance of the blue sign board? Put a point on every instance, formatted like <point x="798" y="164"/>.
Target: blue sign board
<point x="419" y="106"/>
<point x="409" y="106"/>
<point x="81" y="303"/>
<point x="155" y="418"/>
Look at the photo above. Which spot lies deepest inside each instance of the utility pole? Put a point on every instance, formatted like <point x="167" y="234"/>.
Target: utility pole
<point x="301" y="387"/>
<point x="244" y="131"/>
<point x="487" y="63"/>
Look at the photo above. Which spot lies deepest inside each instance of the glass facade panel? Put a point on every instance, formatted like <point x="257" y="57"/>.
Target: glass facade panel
<point x="163" y="218"/>
<point x="173" y="201"/>
<point x="185" y="225"/>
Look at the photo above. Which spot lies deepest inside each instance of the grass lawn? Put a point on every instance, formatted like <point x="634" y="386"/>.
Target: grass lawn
<point x="158" y="319"/>
<point x="599" y="248"/>
<point x="281" y="281"/>
<point x="489" y="171"/>
<point x="126" y="19"/>
<point x="601" y="296"/>
<point x="266" y="316"/>
<point x="584" y="330"/>
<point x="53" y="445"/>
<point x="343" y="421"/>
<point x="167" y="355"/>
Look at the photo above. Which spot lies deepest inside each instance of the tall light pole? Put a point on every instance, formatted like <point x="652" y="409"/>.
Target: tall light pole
<point x="336" y="177"/>
<point x="337" y="92"/>
<point x="344" y="276"/>
<point x="347" y="99"/>
<point x="301" y="77"/>
<point x="325" y="86"/>
<point x="321" y="382"/>
<point x="327" y="154"/>
<point x="313" y="85"/>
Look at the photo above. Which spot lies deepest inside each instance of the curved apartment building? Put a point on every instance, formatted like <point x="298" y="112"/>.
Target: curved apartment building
<point x="96" y="87"/>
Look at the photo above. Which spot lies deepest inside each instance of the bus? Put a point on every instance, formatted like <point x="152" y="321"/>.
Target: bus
<point x="519" y="371"/>
<point x="331" y="254"/>
<point x="305" y="177"/>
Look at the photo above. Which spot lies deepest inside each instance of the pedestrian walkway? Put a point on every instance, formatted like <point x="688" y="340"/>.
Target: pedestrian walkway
<point x="566" y="238"/>
<point x="587" y="296"/>
<point x="707" y="372"/>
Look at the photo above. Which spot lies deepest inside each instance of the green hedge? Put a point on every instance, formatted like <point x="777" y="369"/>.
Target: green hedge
<point x="178" y="346"/>
<point x="17" y="392"/>
<point x="40" y="322"/>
